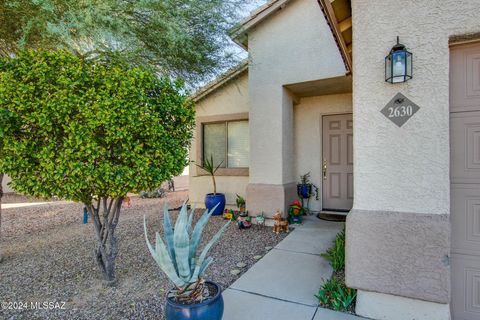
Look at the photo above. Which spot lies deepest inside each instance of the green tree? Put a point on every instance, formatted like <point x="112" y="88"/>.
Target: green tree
<point x="90" y="132"/>
<point x="180" y="38"/>
<point x="1" y="195"/>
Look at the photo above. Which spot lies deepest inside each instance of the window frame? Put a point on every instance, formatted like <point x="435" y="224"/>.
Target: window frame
<point x="201" y="122"/>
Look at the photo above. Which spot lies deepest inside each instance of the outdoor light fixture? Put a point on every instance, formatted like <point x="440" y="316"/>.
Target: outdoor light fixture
<point x="398" y="64"/>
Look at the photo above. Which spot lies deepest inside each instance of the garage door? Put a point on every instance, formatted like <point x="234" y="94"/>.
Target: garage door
<point x="465" y="180"/>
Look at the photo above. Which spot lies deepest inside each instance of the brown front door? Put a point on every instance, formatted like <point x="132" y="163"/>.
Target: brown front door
<point x="337" y="165"/>
<point x="465" y="180"/>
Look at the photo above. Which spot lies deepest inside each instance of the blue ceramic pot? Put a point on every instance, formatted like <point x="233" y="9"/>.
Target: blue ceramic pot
<point x="209" y="310"/>
<point x="212" y="200"/>
<point x="304" y="190"/>
<point x="296" y="219"/>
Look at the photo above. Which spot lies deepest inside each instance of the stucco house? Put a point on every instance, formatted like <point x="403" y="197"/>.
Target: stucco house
<point x="310" y="99"/>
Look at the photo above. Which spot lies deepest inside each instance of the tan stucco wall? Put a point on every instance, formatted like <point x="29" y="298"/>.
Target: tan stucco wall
<point x="416" y="156"/>
<point x="231" y="98"/>
<point x="403" y="171"/>
<point x="308" y="135"/>
<point x="294" y="45"/>
<point x="6" y="188"/>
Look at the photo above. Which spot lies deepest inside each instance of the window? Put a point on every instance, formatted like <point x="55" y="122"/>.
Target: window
<point x="228" y="143"/>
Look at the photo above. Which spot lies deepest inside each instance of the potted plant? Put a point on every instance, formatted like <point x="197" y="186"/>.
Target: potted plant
<point x="260" y="219"/>
<point x="213" y="200"/>
<point x="240" y="203"/>
<point x="192" y="297"/>
<point x="306" y="189"/>
<point x="296" y="211"/>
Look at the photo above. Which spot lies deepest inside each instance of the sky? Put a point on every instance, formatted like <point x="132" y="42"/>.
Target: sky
<point x="239" y="52"/>
<point x="253" y="4"/>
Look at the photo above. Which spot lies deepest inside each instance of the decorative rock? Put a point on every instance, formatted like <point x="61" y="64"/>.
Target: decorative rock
<point x="232" y="248"/>
<point x="257" y="257"/>
<point x="241" y="265"/>
<point x="235" y="272"/>
<point x="268" y="248"/>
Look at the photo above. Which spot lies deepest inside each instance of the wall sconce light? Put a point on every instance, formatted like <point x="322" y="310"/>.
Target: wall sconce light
<point x="398" y="64"/>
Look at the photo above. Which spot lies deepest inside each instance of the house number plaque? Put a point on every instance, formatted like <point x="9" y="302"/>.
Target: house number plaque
<point x="400" y="109"/>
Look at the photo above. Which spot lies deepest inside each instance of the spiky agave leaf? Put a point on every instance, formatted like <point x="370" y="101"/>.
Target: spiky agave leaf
<point x="197" y="232"/>
<point x="205" y="265"/>
<point x="190" y="220"/>
<point x="162" y="257"/>
<point x="168" y="229"/>
<point x="204" y="253"/>
<point x="181" y="242"/>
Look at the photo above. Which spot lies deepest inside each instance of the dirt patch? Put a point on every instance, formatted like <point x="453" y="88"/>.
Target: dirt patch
<point x="49" y="258"/>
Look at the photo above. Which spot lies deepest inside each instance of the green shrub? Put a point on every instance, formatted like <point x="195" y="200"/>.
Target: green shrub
<point x="335" y="295"/>
<point x="336" y="254"/>
<point x="90" y="132"/>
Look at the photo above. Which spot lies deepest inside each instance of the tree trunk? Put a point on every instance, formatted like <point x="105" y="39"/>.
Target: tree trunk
<point x="105" y="217"/>
<point x="1" y="195"/>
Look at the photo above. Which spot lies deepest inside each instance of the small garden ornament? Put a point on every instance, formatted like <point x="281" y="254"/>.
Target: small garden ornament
<point x="240" y="203"/>
<point x="244" y="224"/>
<point x="295" y="212"/>
<point x="228" y="214"/>
<point x="260" y="219"/>
<point x="280" y="223"/>
<point x="127" y="202"/>
<point x="244" y="221"/>
<point x="192" y="298"/>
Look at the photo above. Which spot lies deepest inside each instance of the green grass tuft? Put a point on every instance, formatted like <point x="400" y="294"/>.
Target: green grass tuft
<point x="336" y="254"/>
<point x="334" y="294"/>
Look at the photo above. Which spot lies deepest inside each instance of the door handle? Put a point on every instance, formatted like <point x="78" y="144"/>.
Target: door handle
<point x="324" y="169"/>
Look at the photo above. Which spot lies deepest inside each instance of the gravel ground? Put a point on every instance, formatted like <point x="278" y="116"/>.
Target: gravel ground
<point x="49" y="258"/>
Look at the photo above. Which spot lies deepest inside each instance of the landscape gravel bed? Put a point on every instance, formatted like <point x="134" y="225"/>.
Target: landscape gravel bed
<point x="49" y="258"/>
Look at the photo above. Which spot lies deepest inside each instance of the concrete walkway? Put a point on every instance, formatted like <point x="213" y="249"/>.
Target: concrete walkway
<point x="283" y="283"/>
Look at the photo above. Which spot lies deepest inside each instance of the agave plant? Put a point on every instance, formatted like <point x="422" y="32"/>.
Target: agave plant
<point x="178" y="258"/>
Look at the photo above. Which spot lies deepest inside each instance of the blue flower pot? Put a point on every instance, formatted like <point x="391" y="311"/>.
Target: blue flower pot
<point x="304" y="190"/>
<point x="208" y="310"/>
<point x="296" y="219"/>
<point x="212" y="200"/>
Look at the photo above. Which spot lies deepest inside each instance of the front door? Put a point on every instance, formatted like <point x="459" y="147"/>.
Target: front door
<point x="337" y="165"/>
<point x="465" y="180"/>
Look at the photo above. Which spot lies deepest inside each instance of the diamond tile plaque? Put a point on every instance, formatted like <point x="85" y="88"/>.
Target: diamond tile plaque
<point x="400" y="109"/>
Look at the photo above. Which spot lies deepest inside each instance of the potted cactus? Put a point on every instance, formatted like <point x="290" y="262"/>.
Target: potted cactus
<point x="213" y="200"/>
<point x="192" y="297"/>
<point x="240" y="203"/>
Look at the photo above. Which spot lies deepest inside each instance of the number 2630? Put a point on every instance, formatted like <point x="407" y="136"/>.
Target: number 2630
<point x="400" y="111"/>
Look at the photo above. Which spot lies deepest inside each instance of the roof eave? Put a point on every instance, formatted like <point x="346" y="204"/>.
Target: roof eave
<point x="220" y="81"/>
